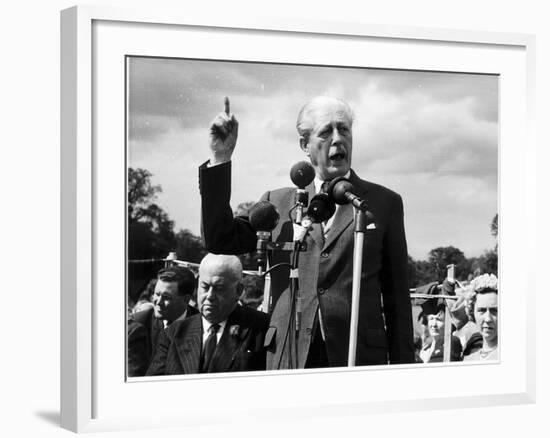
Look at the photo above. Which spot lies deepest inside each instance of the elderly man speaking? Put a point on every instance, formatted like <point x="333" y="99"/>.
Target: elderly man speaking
<point x="385" y="331"/>
<point x="224" y="337"/>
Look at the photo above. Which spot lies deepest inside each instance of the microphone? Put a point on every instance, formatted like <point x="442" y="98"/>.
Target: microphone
<point x="321" y="208"/>
<point x="301" y="175"/>
<point x="341" y="191"/>
<point x="263" y="217"/>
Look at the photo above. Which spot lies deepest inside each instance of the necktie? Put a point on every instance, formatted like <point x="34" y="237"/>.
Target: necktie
<point x="325" y="225"/>
<point x="209" y="347"/>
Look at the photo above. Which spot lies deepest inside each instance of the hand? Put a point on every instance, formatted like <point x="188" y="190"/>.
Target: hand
<point x="223" y="135"/>
<point x="448" y="287"/>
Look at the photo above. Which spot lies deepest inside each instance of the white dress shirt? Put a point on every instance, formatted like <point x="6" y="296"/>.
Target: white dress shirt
<point x="206" y="330"/>
<point x="318" y="183"/>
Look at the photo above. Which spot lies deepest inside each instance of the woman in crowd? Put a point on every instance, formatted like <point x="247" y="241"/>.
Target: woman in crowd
<point x="434" y="312"/>
<point x="483" y="310"/>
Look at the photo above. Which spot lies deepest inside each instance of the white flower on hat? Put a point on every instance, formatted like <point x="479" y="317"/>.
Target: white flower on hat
<point x="485" y="281"/>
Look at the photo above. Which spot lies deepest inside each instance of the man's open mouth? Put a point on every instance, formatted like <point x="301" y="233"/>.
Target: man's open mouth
<point x="338" y="156"/>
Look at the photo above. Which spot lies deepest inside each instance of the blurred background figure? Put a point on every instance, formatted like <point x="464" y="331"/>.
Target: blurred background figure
<point x="144" y="301"/>
<point x="483" y="309"/>
<point x="253" y="291"/>
<point x="464" y="327"/>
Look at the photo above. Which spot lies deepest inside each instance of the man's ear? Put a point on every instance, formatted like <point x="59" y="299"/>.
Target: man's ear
<point x="304" y="145"/>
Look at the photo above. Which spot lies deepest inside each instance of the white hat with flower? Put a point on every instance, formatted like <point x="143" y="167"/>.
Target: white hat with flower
<point x="484" y="282"/>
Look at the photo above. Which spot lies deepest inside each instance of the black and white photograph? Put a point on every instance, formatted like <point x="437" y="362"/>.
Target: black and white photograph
<point x="295" y="217"/>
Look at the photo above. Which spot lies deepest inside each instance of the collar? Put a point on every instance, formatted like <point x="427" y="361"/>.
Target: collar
<point x="206" y="325"/>
<point x="165" y="323"/>
<point x="319" y="182"/>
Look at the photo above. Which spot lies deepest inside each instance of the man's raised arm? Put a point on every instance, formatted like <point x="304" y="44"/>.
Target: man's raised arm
<point x="221" y="232"/>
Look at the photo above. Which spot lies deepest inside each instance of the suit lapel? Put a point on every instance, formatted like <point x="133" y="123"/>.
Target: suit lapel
<point x="189" y="351"/>
<point x="232" y="338"/>
<point x="345" y="214"/>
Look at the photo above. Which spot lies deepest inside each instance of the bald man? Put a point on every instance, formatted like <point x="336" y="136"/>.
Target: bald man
<point x="224" y="337"/>
<point x="385" y="332"/>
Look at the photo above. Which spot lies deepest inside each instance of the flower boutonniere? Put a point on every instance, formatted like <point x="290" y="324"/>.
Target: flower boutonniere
<point x="235" y="330"/>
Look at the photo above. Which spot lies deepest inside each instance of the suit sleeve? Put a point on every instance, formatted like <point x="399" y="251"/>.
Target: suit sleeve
<point x="137" y="349"/>
<point x="222" y="233"/>
<point x="395" y="288"/>
<point x="158" y="363"/>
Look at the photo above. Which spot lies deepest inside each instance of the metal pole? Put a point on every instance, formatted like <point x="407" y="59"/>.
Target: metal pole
<point x="359" y="236"/>
<point x="447" y="340"/>
<point x="266" y="302"/>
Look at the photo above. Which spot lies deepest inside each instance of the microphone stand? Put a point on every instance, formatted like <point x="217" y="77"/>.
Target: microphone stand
<point x="359" y="236"/>
<point x="300" y="234"/>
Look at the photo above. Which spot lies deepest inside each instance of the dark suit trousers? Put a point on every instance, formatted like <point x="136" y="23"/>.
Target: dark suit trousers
<point x="317" y="354"/>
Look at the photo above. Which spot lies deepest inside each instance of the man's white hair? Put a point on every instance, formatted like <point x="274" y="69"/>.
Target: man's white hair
<point x="225" y="263"/>
<point x="303" y="123"/>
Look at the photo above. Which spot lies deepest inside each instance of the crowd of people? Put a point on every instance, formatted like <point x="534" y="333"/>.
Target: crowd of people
<point x="216" y="332"/>
<point x="164" y="326"/>
<point x="473" y="312"/>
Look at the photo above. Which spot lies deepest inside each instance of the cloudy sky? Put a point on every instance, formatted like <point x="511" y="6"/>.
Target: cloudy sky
<point x="432" y="137"/>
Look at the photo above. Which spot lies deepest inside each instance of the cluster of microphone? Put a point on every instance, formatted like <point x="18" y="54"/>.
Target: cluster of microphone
<point x="264" y="217"/>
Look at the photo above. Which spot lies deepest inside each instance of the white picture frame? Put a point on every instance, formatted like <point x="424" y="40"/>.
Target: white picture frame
<point x="94" y="393"/>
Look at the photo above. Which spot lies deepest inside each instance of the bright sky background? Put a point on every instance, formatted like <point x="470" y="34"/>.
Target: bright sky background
<point x="431" y="137"/>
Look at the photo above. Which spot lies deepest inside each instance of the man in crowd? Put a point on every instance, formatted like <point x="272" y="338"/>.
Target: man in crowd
<point x="385" y="332"/>
<point x="173" y="290"/>
<point x="224" y="337"/>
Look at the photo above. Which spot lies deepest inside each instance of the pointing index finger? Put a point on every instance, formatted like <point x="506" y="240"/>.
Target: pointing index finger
<point x="226" y="105"/>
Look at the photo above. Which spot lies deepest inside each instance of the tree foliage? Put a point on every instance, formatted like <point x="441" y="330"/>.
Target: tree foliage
<point x="494" y="226"/>
<point x="441" y="257"/>
<point x="150" y="230"/>
<point x="189" y="247"/>
<point x="435" y="268"/>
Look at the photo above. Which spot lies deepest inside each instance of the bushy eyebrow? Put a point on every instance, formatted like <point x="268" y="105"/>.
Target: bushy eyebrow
<point x="339" y="125"/>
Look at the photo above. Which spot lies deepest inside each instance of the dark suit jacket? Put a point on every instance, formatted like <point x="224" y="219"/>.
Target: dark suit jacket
<point x="385" y="317"/>
<point x="240" y="348"/>
<point x="437" y="355"/>
<point x="142" y="342"/>
<point x="138" y="356"/>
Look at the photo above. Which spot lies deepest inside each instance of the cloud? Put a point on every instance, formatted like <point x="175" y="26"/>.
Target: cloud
<point x="415" y="133"/>
<point x="432" y="137"/>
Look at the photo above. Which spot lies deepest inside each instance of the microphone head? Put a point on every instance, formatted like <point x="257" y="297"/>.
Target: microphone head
<point x="337" y="190"/>
<point x="263" y="216"/>
<point x="321" y="208"/>
<point x="302" y="174"/>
